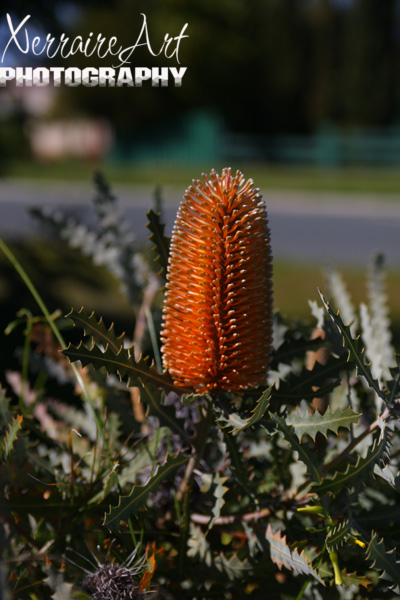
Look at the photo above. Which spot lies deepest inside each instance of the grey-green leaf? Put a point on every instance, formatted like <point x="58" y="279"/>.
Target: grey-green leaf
<point x="219" y="491"/>
<point x="311" y="424"/>
<point x="282" y="555"/>
<point x="11" y="435"/>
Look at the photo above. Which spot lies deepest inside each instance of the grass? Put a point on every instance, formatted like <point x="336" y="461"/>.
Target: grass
<point x="345" y="180"/>
<point x="295" y="284"/>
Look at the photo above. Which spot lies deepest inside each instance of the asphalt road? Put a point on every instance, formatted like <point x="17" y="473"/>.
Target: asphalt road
<point x="323" y="228"/>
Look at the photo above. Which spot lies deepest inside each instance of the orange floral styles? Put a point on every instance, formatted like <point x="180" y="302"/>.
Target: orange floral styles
<point x="217" y="316"/>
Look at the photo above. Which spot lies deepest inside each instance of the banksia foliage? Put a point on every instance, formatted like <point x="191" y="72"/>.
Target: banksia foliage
<point x="217" y="316"/>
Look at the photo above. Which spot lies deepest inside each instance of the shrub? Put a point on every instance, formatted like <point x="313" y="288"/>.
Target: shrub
<point x="247" y="471"/>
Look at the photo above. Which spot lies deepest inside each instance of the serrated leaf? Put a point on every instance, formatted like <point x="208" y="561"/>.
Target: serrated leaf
<point x="236" y="457"/>
<point x="384" y="560"/>
<point x="393" y="385"/>
<point x="233" y="420"/>
<point x="311" y="424"/>
<point x="128" y="505"/>
<point x="355" y="579"/>
<point x="238" y="423"/>
<point x="304" y="454"/>
<point x="198" y="545"/>
<point x="281" y="555"/>
<point x="61" y="589"/>
<point x="260" y="408"/>
<point x="303" y="386"/>
<point x="354" y="349"/>
<point x="219" y="491"/>
<point x="233" y="567"/>
<point x="11" y="435"/>
<point x="160" y="241"/>
<point x="337" y="535"/>
<point x="143" y="459"/>
<point x="97" y="329"/>
<point x="123" y="364"/>
<point x="378" y="346"/>
<point x="295" y="347"/>
<point x="358" y="472"/>
<point x="165" y="414"/>
<point x="238" y="467"/>
<point x="341" y="298"/>
<point x="386" y="474"/>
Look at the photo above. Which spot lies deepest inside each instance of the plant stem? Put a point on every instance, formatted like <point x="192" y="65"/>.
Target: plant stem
<point x="25" y="364"/>
<point x="25" y="278"/>
<point x="303" y="590"/>
<point x="186" y="485"/>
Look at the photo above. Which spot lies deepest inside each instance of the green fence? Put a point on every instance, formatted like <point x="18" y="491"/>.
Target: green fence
<point x="201" y="137"/>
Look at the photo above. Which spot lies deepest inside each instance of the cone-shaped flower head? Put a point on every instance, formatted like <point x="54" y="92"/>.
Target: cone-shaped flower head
<point x="217" y="316"/>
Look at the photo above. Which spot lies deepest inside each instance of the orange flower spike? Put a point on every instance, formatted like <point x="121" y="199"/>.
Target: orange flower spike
<point x="217" y="316"/>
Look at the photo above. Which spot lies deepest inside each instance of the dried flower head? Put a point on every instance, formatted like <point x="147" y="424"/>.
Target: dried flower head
<point x="217" y="316"/>
<point x="111" y="581"/>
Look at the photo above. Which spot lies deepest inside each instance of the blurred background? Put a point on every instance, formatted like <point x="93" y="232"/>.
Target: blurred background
<point x="301" y="95"/>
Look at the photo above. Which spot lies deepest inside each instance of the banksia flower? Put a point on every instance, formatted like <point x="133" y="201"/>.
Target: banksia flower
<point x="217" y="316"/>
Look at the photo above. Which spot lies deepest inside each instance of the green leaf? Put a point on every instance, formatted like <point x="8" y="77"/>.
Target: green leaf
<point x="161" y="242"/>
<point x="143" y="458"/>
<point x="311" y="424"/>
<point x="165" y="414"/>
<point x="124" y="364"/>
<point x="219" y="491"/>
<point x="380" y="517"/>
<point x="5" y="413"/>
<point x="236" y="457"/>
<point x="393" y="385"/>
<point x="354" y="579"/>
<point x="304" y="454"/>
<point x="11" y="435"/>
<point x="281" y="555"/>
<point x="260" y="408"/>
<point x="303" y="386"/>
<point x="337" y="535"/>
<point x="238" y="423"/>
<point x="354" y="349"/>
<point x="384" y="560"/>
<point x="238" y="466"/>
<point x="129" y="505"/>
<point x="358" y="472"/>
<point x="97" y="329"/>
<point x="295" y="347"/>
